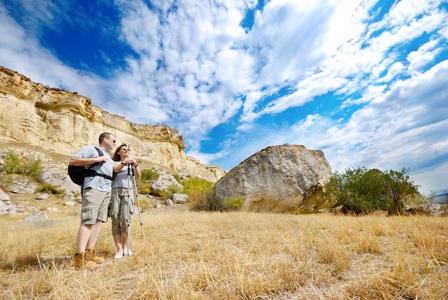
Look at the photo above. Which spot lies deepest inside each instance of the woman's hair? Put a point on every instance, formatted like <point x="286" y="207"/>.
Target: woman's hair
<point x="116" y="156"/>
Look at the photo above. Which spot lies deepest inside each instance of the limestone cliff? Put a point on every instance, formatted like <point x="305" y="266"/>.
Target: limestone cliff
<point x="64" y="122"/>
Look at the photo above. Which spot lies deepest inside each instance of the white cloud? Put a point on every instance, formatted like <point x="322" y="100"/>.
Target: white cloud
<point x="304" y="125"/>
<point x="372" y="92"/>
<point x="420" y="58"/>
<point x="307" y="89"/>
<point x="430" y="180"/>
<point x="140" y="28"/>
<point x="245" y="127"/>
<point x="234" y="70"/>
<point x="396" y="69"/>
<point x="206" y="158"/>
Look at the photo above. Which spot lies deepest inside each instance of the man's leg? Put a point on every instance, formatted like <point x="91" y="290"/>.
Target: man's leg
<point x="94" y="234"/>
<point x="90" y="251"/>
<point x="84" y="233"/>
<point x="83" y="237"/>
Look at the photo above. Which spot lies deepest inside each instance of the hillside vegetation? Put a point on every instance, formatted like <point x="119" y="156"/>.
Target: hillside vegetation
<point x="197" y="255"/>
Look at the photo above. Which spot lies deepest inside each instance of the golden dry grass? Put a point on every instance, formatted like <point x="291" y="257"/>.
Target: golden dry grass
<point x="233" y="256"/>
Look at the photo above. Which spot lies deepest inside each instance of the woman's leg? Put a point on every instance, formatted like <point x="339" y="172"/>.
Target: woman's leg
<point x="126" y="223"/>
<point x="124" y="239"/>
<point x="116" y="222"/>
<point x="118" y="242"/>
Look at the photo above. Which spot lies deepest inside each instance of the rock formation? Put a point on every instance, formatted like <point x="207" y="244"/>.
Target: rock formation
<point x="279" y="178"/>
<point x="162" y="183"/>
<point x="64" y="122"/>
<point x="54" y="177"/>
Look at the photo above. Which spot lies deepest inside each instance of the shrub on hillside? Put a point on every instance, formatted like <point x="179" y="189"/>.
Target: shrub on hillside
<point x="6" y="181"/>
<point x="178" y="178"/>
<point x="195" y="184"/>
<point x="149" y="175"/>
<point x="144" y="183"/>
<point x="26" y="166"/>
<point x="49" y="188"/>
<point x="201" y="194"/>
<point x="398" y="186"/>
<point x="361" y="191"/>
<point x="170" y="191"/>
<point x="232" y="203"/>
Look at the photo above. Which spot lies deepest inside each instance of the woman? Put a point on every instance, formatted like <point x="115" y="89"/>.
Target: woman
<point x="120" y="209"/>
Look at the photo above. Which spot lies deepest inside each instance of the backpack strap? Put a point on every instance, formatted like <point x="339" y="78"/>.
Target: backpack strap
<point x="100" y="153"/>
<point x="93" y="173"/>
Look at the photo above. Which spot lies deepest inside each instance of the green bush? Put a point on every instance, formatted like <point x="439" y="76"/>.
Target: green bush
<point x="204" y="200"/>
<point x="201" y="194"/>
<point x="149" y="175"/>
<point x="26" y="166"/>
<point x="361" y="191"/>
<point x="144" y="183"/>
<point x="398" y="186"/>
<point x="6" y="181"/>
<point x="178" y="178"/>
<point x="143" y="187"/>
<point x="232" y="203"/>
<point x="195" y="184"/>
<point x="49" y="188"/>
<point x="145" y="204"/>
<point x="12" y="164"/>
<point x="170" y="191"/>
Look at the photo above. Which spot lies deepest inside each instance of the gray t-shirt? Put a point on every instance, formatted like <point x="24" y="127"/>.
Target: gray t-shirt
<point x="97" y="182"/>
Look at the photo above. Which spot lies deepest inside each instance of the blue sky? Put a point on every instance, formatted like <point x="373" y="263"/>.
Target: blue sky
<point x="364" y="81"/>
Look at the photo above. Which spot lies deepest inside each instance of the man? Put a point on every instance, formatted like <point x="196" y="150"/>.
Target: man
<point x="96" y="192"/>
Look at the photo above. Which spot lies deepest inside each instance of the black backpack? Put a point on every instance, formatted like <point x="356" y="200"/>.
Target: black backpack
<point x="78" y="173"/>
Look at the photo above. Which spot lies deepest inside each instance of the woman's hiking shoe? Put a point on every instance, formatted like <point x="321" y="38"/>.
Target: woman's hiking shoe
<point x="127" y="252"/>
<point x="91" y="256"/>
<point x="81" y="262"/>
<point x="119" y="255"/>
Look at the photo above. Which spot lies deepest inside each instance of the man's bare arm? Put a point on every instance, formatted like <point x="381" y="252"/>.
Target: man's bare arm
<point x="78" y="161"/>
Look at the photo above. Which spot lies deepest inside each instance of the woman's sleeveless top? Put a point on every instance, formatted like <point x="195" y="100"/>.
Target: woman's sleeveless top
<point x="121" y="179"/>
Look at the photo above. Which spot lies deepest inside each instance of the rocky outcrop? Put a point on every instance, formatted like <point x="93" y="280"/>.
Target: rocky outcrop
<point x="64" y="122"/>
<point x="162" y="183"/>
<point x="180" y="198"/>
<point x="37" y="217"/>
<point x="279" y="178"/>
<point x="55" y="177"/>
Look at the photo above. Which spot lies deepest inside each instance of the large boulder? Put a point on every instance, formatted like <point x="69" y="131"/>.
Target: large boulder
<point x="287" y="178"/>
<point x="163" y="182"/>
<point x="56" y="177"/>
<point x="180" y="198"/>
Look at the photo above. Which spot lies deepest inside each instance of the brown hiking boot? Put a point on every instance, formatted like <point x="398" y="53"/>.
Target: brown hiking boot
<point x="81" y="262"/>
<point x="91" y="256"/>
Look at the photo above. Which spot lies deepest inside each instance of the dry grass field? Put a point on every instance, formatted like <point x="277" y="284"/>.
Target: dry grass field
<point x="238" y="255"/>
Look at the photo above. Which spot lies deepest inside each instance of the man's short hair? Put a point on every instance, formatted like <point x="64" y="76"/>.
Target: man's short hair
<point x="103" y="136"/>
